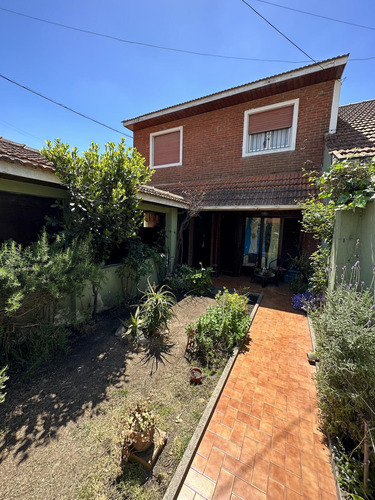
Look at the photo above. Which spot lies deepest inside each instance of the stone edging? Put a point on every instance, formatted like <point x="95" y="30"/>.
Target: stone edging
<point x="333" y="464"/>
<point x="181" y="472"/>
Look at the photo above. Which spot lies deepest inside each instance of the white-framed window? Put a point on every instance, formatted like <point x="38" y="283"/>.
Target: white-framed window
<point x="166" y="148"/>
<point x="270" y="129"/>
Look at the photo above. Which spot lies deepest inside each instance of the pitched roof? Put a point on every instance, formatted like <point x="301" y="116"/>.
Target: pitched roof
<point x="330" y="69"/>
<point x="13" y="152"/>
<point x="273" y="190"/>
<point x="159" y="193"/>
<point x="355" y="136"/>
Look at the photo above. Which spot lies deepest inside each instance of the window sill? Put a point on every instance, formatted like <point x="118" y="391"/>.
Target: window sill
<point x="268" y="152"/>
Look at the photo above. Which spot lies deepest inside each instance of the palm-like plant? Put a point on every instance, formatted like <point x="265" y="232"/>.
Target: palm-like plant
<point x="156" y="308"/>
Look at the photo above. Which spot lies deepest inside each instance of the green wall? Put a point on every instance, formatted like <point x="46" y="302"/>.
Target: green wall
<point x="354" y="239"/>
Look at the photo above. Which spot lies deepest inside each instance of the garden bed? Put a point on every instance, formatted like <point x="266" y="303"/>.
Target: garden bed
<point x="59" y="432"/>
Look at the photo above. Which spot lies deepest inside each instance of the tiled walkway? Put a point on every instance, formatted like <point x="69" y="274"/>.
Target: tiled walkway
<point x="262" y="441"/>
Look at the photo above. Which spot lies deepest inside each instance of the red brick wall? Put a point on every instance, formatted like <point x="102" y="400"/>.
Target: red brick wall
<point x="212" y="142"/>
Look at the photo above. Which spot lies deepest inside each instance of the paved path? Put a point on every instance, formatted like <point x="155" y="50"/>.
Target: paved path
<point x="263" y="441"/>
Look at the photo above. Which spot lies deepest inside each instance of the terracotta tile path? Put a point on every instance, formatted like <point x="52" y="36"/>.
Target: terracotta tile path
<point x="262" y="441"/>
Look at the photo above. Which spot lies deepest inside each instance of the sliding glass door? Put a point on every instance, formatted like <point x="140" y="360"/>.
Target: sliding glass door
<point x="262" y="238"/>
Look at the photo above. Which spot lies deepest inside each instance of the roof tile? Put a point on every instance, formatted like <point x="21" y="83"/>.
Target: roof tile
<point x="355" y="136"/>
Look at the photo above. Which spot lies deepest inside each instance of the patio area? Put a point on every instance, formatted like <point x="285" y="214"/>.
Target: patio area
<point x="263" y="440"/>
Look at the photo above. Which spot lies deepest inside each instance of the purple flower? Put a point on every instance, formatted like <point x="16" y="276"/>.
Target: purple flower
<point x="369" y="322"/>
<point x="344" y="268"/>
<point x="350" y="286"/>
<point x="373" y="307"/>
<point x="362" y="283"/>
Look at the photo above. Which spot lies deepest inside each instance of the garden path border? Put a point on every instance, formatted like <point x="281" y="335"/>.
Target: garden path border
<point x="181" y="472"/>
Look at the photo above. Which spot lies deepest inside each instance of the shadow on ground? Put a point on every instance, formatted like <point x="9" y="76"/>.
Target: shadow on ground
<point x="34" y="411"/>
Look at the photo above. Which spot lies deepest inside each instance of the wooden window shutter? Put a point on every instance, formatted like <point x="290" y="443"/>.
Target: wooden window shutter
<point x="273" y="119"/>
<point x="167" y="148"/>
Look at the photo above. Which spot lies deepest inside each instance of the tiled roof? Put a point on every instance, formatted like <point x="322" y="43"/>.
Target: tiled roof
<point x="151" y="190"/>
<point x="355" y="136"/>
<point x="253" y="191"/>
<point x="14" y="152"/>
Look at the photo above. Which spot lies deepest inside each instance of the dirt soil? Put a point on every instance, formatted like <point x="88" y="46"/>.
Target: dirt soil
<point x="55" y="431"/>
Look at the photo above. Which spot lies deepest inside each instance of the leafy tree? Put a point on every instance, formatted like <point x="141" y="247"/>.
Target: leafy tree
<point x="102" y="190"/>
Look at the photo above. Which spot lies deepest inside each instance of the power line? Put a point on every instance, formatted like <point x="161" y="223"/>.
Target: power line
<point x="204" y="54"/>
<point x="150" y="45"/>
<point x="63" y="105"/>
<point x="318" y="15"/>
<point x="280" y="32"/>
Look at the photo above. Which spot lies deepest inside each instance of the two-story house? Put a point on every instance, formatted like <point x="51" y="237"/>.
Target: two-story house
<point x="242" y="152"/>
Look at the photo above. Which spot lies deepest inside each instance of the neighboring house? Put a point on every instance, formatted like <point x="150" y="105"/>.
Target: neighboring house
<point x="354" y="236"/>
<point x="242" y="152"/>
<point x="355" y="135"/>
<point x="28" y="188"/>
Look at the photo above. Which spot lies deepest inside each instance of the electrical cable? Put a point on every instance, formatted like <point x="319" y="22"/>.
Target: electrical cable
<point x="63" y="106"/>
<point x="132" y="42"/>
<point x="203" y="54"/>
<point x="317" y="15"/>
<point x="280" y="32"/>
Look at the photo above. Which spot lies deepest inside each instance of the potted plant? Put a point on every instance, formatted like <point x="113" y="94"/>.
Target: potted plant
<point x="139" y="428"/>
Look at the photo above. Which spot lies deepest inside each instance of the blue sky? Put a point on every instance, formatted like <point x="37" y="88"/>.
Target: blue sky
<point x="112" y="81"/>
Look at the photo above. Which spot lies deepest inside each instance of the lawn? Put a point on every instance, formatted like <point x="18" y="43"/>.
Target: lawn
<point x="59" y="432"/>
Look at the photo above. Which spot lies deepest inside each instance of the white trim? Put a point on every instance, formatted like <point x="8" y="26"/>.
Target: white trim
<point x="164" y="132"/>
<point x="161" y="201"/>
<point x="29" y="172"/>
<point x="293" y="133"/>
<point x="335" y="107"/>
<point x="332" y="63"/>
<point x="251" y="207"/>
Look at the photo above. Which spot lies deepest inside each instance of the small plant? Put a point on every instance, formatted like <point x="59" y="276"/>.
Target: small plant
<point x="3" y="379"/>
<point x="187" y="280"/>
<point x="307" y="301"/>
<point x="156" y="309"/>
<point x="135" y="325"/>
<point x="223" y="327"/>
<point x="139" y="427"/>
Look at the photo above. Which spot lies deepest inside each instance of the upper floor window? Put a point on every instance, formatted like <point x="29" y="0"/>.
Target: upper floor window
<point x="166" y="148"/>
<point x="270" y="129"/>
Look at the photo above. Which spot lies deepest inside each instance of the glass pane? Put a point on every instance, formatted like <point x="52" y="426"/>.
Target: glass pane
<point x="252" y="236"/>
<point x="271" y="234"/>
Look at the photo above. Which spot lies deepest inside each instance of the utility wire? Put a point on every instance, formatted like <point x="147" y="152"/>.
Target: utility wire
<point x="132" y="42"/>
<point x="173" y="49"/>
<point x="318" y="15"/>
<point x="280" y="32"/>
<point x="63" y="105"/>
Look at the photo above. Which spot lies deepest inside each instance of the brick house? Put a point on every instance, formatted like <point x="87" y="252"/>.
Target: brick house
<point x="242" y="151"/>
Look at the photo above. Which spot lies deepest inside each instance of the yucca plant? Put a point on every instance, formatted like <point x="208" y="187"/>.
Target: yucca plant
<point x="156" y="309"/>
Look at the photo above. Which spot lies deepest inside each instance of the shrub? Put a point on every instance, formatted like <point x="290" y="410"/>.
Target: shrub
<point x="156" y="309"/>
<point x="33" y="281"/>
<point x="187" y="280"/>
<point x="345" y="328"/>
<point x="3" y="379"/>
<point x="223" y="327"/>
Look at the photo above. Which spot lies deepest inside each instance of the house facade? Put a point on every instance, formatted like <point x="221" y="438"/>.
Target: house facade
<point x="28" y="188"/>
<point x="239" y="155"/>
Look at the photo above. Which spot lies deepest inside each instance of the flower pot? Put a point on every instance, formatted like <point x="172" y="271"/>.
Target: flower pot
<point x="195" y="375"/>
<point x="143" y="440"/>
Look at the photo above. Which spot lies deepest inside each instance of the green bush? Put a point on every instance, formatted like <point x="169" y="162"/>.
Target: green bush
<point x="223" y="327"/>
<point x="156" y="309"/>
<point x="187" y="280"/>
<point x="345" y="328"/>
<point x="3" y="379"/>
<point x="33" y="282"/>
